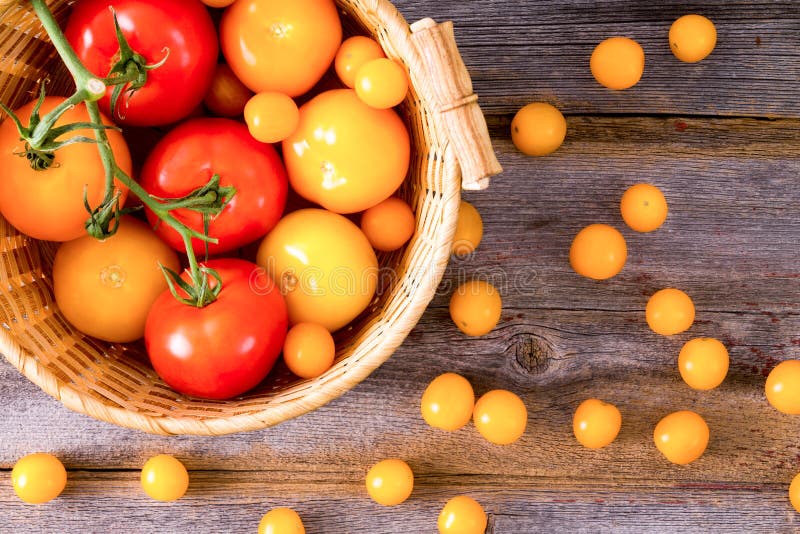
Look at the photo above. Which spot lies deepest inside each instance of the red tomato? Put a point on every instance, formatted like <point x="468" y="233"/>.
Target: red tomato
<point x="186" y="159"/>
<point x="213" y="352"/>
<point x="183" y="28"/>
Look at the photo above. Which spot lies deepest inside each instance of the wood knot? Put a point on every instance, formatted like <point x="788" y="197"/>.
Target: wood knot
<point x="531" y="353"/>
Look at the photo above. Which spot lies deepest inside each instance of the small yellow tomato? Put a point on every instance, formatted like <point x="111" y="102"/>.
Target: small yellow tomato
<point x="469" y="230"/>
<point x="462" y="515"/>
<point x="353" y="54"/>
<point x="448" y="402"/>
<point x="643" y="207"/>
<point x="598" y="252"/>
<point x="475" y="307"/>
<point x="617" y="63"/>
<point x="164" y="478"/>
<point x="596" y="423"/>
<point x="692" y="38"/>
<point x="227" y="95"/>
<point x="281" y="521"/>
<point x="794" y="492"/>
<point x="500" y="416"/>
<point x="388" y="225"/>
<point x="669" y="311"/>
<point x="38" y="478"/>
<point x="390" y="482"/>
<point x="271" y="117"/>
<point x="703" y="363"/>
<point x="538" y="129"/>
<point x="783" y="387"/>
<point x="308" y="350"/>
<point x="682" y="437"/>
<point x="382" y="83"/>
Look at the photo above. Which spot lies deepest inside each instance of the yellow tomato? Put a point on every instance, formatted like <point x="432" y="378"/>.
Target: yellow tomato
<point x="538" y="129"/>
<point x="164" y="478"/>
<point x="469" y="230"/>
<point x="703" y="363"/>
<point x="617" y="63"/>
<point x="345" y="155"/>
<point x="448" y="402"/>
<point x="783" y="387"/>
<point x="388" y="225"/>
<point x="309" y="350"/>
<point x="500" y="416"/>
<point x="390" y="482"/>
<point x="475" y="307"/>
<point x="324" y="265"/>
<point x="462" y="515"/>
<point x="38" y="478"/>
<point x="794" y="492"/>
<point x="682" y="437"/>
<point x="382" y="83"/>
<point x="692" y="38"/>
<point x="91" y="278"/>
<point x="271" y="117"/>
<point x="227" y="96"/>
<point x="281" y="521"/>
<point x="643" y="207"/>
<point x="669" y="311"/>
<point x="598" y="252"/>
<point x="353" y="54"/>
<point x="596" y="423"/>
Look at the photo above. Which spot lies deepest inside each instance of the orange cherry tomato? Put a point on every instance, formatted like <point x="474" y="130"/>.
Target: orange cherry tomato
<point x="448" y="402"/>
<point x="669" y="312"/>
<point x="382" y="83"/>
<point x="271" y="117"/>
<point x="281" y="521"/>
<point x="538" y="129"/>
<point x="275" y="45"/>
<point x="164" y="478"/>
<point x="681" y="437"/>
<point x="469" y="230"/>
<point x="38" y="478"/>
<point x="353" y="54"/>
<point x="227" y="95"/>
<point x="692" y="38"/>
<point x="794" y="493"/>
<point x="596" y="423"/>
<point x="388" y="225"/>
<point x="598" y="252"/>
<point x="475" y="307"/>
<point x="617" y="63"/>
<point x="309" y="350"/>
<point x="703" y="363"/>
<point x="462" y="515"/>
<point x="643" y="207"/>
<point x="345" y="155"/>
<point x="390" y="482"/>
<point x="783" y="387"/>
<point x="500" y="416"/>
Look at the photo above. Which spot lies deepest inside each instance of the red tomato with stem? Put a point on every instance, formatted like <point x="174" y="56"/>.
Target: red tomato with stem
<point x="186" y="159"/>
<point x="225" y="348"/>
<point x="180" y="30"/>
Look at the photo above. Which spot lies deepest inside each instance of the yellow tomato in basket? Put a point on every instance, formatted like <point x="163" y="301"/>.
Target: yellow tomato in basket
<point x="345" y="155"/>
<point x="324" y="266"/>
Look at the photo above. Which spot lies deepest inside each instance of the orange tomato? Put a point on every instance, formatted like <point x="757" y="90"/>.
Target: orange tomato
<point x="794" y="492"/>
<point x="38" y="478"/>
<point x="469" y="230"/>
<point x="598" y="252"/>
<point x="703" y="363"/>
<point x="308" y="350"/>
<point x="281" y="521"/>
<point x="596" y="423"/>
<point x="274" y="45"/>
<point x="500" y="416"/>
<point x="538" y="129"/>
<point x="475" y="307"/>
<point x="617" y="63"/>
<point x="91" y="278"/>
<point x="448" y="402"/>
<point x="783" y="387"/>
<point x="462" y="515"/>
<point x="164" y="478"/>
<point x="382" y="83"/>
<point x="271" y="117"/>
<point x="643" y="207"/>
<point x="48" y="204"/>
<point x="681" y="437"/>
<point x="388" y="225"/>
<point x="390" y="482"/>
<point x="353" y="54"/>
<point x="227" y="95"/>
<point x="345" y="155"/>
<point x="692" y="38"/>
<point x="669" y="311"/>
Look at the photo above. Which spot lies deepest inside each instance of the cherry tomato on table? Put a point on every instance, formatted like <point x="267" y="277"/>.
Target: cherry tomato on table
<point x="225" y="348"/>
<point x="596" y="423"/>
<point x="38" y="478"/>
<point x="783" y="387"/>
<point x="164" y="478"/>
<point x="447" y="402"/>
<point x="180" y="30"/>
<point x="469" y="230"/>
<point x="390" y="482"/>
<point x="281" y="521"/>
<point x="462" y="515"/>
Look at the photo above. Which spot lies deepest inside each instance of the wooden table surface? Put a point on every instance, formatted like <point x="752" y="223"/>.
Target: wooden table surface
<point x="721" y="138"/>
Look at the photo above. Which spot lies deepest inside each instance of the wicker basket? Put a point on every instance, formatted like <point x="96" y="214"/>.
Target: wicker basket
<point x="114" y="382"/>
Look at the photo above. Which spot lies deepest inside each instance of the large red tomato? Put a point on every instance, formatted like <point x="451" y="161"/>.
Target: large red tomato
<point x="153" y="28"/>
<point x="225" y="348"/>
<point x="186" y="159"/>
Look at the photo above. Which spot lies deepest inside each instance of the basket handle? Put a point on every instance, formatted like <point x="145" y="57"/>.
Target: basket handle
<point x="457" y="104"/>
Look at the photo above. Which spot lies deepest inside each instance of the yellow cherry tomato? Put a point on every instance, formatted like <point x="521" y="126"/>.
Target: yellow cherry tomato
<point x="308" y="350"/>
<point x="164" y="478"/>
<point x="475" y="307"/>
<point x="324" y="266"/>
<point x="382" y="83"/>
<point x="469" y="230"/>
<point x="38" y="478"/>
<point x="617" y="63"/>
<point x="281" y="521"/>
<point x="271" y="117"/>
<point x="643" y="207"/>
<point x="390" y="482"/>
<point x="682" y="437"/>
<point x="596" y="423"/>
<point x="388" y="225"/>
<point x="794" y="492"/>
<point x="462" y="515"/>
<point x="500" y="416"/>
<point x="669" y="311"/>
<point x="354" y="53"/>
<point x="448" y="402"/>
<point x="345" y="155"/>
<point x="538" y="129"/>
<point x="703" y="363"/>
<point x="692" y="38"/>
<point x="598" y="252"/>
<point x="783" y="387"/>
